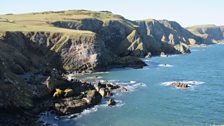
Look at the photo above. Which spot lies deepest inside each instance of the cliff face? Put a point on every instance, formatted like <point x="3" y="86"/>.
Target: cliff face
<point x="77" y="52"/>
<point x="165" y="36"/>
<point x="27" y="55"/>
<point x="137" y="38"/>
<point x="211" y="33"/>
<point x="18" y="57"/>
<point x="80" y="41"/>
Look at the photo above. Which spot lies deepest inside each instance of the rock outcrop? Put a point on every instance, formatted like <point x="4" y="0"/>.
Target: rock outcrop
<point x="111" y="102"/>
<point x="180" y="85"/>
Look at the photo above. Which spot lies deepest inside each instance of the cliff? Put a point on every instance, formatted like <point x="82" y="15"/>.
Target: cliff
<point x="211" y="33"/>
<point x="136" y="38"/>
<point x="34" y="44"/>
<point x="93" y="41"/>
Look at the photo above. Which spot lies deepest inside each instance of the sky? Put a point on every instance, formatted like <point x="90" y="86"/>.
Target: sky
<point x="185" y="12"/>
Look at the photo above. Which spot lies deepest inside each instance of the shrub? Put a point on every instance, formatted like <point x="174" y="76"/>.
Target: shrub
<point x="57" y="93"/>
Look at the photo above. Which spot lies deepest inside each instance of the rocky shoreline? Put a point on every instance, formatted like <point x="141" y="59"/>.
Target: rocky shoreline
<point x="63" y="97"/>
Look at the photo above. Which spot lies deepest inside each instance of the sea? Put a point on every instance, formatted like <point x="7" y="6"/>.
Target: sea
<point x="151" y="100"/>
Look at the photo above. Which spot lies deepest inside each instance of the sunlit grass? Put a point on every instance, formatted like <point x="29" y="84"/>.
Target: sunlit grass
<point x="42" y="21"/>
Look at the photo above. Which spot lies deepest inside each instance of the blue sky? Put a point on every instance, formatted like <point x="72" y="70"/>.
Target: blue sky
<point x="186" y="12"/>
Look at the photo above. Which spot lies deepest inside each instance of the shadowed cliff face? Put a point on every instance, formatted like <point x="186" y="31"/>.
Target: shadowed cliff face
<point x="71" y="53"/>
<point x="165" y="36"/>
<point x="18" y="56"/>
<point x="137" y="38"/>
<point x="22" y="53"/>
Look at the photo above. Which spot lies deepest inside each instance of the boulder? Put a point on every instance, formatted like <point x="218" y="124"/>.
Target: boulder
<point x="52" y="83"/>
<point x="180" y="85"/>
<point x="112" y="87"/>
<point x="162" y="54"/>
<point x="130" y="61"/>
<point x="104" y="92"/>
<point x="111" y="102"/>
<point x="92" y="97"/>
<point x="97" y="86"/>
<point x="70" y="106"/>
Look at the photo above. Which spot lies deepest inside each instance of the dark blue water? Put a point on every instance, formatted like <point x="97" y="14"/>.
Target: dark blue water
<point x="160" y="105"/>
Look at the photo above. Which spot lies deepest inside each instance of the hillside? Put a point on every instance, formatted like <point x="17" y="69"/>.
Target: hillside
<point x="211" y="33"/>
<point x="104" y="36"/>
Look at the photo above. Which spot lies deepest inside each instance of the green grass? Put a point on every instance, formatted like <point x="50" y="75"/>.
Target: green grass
<point x="42" y="21"/>
<point x="195" y="29"/>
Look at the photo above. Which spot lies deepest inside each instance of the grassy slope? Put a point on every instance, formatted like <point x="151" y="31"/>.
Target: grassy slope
<point x="42" y="21"/>
<point x="195" y="29"/>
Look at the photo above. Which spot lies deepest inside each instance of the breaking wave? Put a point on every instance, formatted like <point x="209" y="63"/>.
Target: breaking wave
<point x="165" y="65"/>
<point x="191" y="84"/>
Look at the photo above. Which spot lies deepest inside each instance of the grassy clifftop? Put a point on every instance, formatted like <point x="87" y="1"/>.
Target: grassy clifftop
<point x="42" y="21"/>
<point x="114" y="31"/>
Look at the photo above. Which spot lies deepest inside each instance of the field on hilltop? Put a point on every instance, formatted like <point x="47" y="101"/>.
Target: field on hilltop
<point x="43" y="21"/>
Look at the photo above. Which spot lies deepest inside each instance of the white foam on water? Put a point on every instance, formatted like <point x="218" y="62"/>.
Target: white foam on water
<point x="119" y="103"/>
<point x="91" y="77"/>
<point x="103" y="81"/>
<point x="129" y="85"/>
<point x="132" y="87"/>
<point x="132" y="82"/>
<point x="165" y="65"/>
<point x="99" y="77"/>
<point x="86" y="112"/>
<point x="174" y="55"/>
<point x="146" y="60"/>
<point x="100" y="72"/>
<point x="48" y="118"/>
<point x="69" y="76"/>
<point x="192" y="83"/>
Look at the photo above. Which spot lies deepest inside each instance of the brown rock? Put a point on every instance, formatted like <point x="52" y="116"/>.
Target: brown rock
<point x="180" y="85"/>
<point x="104" y="92"/>
<point x="70" y="106"/>
<point x="92" y="97"/>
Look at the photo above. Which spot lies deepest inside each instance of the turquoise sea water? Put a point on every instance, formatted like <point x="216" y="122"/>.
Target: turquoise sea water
<point x="155" y="104"/>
